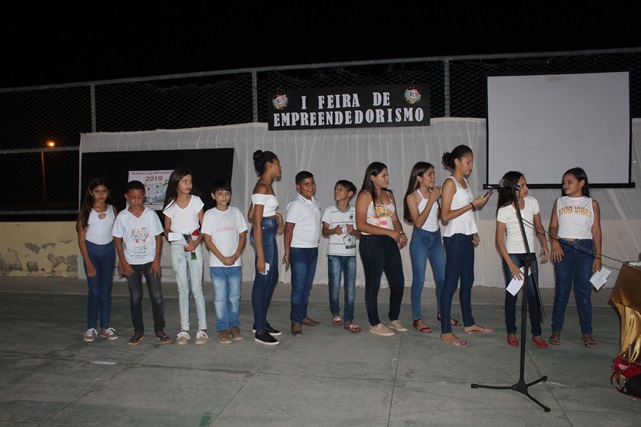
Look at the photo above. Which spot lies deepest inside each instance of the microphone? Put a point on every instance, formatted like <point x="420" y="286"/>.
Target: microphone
<point x="507" y="184"/>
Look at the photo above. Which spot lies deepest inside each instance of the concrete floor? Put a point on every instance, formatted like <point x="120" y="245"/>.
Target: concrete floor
<point x="50" y="377"/>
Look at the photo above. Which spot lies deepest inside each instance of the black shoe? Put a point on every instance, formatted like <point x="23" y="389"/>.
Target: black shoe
<point x="268" y="328"/>
<point x="265" y="338"/>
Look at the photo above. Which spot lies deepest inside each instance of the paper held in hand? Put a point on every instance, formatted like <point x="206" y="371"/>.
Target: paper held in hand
<point x="515" y="284"/>
<point x="599" y="278"/>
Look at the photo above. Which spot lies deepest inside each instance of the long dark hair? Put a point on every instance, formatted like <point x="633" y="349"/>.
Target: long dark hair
<point x="172" y="186"/>
<point x="374" y="169"/>
<point x="87" y="203"/>
<point x="580" y="175"/>
<point x="457" y="153"/>
<point x="506" y="197"/>
<point x="418" y="170"/>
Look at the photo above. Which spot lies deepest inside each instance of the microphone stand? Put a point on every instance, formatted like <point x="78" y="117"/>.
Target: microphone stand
<point x="521" y="386"/>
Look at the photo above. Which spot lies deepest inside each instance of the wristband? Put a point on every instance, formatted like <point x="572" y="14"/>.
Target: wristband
<point x="472" y="204"/>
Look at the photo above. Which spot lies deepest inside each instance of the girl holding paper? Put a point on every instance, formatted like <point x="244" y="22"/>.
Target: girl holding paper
<point x="510" y="243"/>
<point x="184" y="214"/>
<point x="575" y="233"/>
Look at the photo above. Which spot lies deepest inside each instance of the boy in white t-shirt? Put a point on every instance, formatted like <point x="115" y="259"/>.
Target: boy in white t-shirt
<point x="225" y="235"/>
<point x="137" y="235"/>
<point x="302" y="234"/>
<point x="338" y="224"/>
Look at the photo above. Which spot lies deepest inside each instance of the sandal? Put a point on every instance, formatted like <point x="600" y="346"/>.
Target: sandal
<point x="352" y="327"/>
<point x="420" y="326"/>
<point x="555" y="339"/>
<point x="478" y="329"/>
<point x="336" y="320"/>
<point x="453" y="321"/>
<point x="163" y="338"/>
<point x="456" y="342"/>
<point x="135" y="339"/>
<point x="589" y="342"/>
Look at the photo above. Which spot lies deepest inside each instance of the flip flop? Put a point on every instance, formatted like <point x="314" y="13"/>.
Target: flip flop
<point x="164" y="339"/>
<point x="336" y="320"/>
<point x="554" y="341"/>
<point x="457" y="342"/>
<point x="482" y="330"/>
<point x="589" y="343"/>
<point x="351" y="327"/>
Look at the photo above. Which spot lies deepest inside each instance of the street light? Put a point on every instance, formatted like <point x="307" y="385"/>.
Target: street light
<point x="51" y="144"/>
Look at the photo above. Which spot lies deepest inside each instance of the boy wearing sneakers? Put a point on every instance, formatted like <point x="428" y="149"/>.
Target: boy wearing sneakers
<point x="225" y="235"/>
<point x="338" y="222"/>
<point x="302" y="234"/>
<point x="137" y="235"/>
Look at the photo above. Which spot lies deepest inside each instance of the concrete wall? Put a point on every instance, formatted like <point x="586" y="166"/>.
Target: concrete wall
<point x="45" y="249"/>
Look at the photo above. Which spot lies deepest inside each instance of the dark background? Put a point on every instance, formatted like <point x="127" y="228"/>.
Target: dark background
<point x="54" y="43"/>
<point x="206" y="165"/>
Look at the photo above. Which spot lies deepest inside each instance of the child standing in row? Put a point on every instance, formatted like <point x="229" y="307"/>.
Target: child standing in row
<point x="225" y="234"/>
<point x="137" y="236"/>
<point x="95" y="221"/>
<point x="339" y="221"/>
<point x="302" y="235"/>
<point x="421" y="209"/>
<point x="184" y="213"/>
<point x="575" y="230"/>
<point x="511" y="246"/>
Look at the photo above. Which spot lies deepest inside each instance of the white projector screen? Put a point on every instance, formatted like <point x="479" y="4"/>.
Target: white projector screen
<point x="543" y="125"/>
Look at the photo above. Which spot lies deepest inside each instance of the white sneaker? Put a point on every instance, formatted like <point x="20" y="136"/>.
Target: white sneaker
<point x="90" y="335"/>
<point x="201" y="337"/>
<point x="182" y="338"/>
<point x="110" y="334"/>
<point x="381" y="330"/>
<point x="396" y="324"/>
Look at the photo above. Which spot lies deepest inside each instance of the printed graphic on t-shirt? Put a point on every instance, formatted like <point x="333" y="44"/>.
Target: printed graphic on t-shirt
<point x="139" y="237"/>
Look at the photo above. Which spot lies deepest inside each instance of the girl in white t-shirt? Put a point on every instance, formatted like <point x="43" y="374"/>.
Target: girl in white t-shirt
<point x="511" y="246"/>
<point x="184" y="214"/>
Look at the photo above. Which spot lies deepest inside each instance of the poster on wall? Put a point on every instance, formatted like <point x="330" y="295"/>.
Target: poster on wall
<point x="155" y="182"/>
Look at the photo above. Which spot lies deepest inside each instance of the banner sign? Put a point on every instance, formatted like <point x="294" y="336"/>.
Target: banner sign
<point x="349" y="107"/>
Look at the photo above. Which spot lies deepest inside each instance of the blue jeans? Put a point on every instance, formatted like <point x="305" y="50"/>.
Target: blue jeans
<point x="426" y="245"/>
<point x="155" y="296"/>
<point x="345" y="266"/>
<point x="103" y="258"/>
<point x="189" y="278"/>
<point x="532" y="296"/>
<point x="381" y="254"/>
<point x="575" y="268"/>
<point x="225" y="283"/>
<point x="459" y="265"/>
<point x="303" y="263"/>
<point x="264" y="285"/>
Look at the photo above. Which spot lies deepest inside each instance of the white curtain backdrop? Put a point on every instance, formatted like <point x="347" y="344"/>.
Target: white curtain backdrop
<point x="345" y="153"/>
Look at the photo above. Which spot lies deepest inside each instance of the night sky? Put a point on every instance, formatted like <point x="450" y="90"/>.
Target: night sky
<point x="59" y="43"/>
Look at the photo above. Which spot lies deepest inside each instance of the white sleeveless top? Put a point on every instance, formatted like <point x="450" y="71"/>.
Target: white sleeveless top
<point x="99" y="230"/>
<point x="576" y="217"/>
<point x="431" y="223"/>
<point x="462" y="224"/>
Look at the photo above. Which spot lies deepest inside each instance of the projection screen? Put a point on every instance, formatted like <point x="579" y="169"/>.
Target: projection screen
<point x="543" y="125"/>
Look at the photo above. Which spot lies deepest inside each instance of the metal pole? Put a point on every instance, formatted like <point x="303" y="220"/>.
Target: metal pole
<point x="44" y="179"/>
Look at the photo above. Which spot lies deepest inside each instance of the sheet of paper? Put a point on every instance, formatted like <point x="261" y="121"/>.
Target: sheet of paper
<point x="266" y="269"/>
<point x="599" y="278"/>
<point x="515" y="284"/>
<point x="175" y="237"/>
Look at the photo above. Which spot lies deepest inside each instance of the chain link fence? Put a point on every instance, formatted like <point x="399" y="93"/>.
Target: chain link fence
<point x="41" y="181"/>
